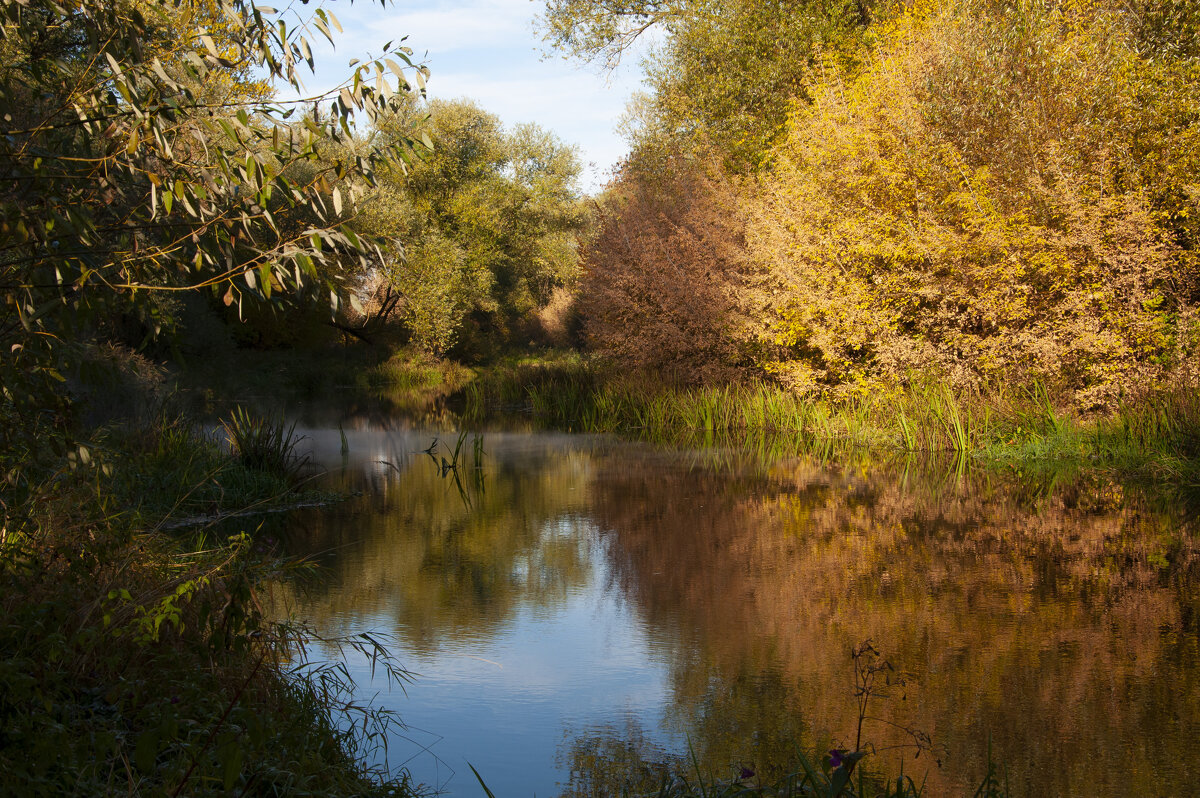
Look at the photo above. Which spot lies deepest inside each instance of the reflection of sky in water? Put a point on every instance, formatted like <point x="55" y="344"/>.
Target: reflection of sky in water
<point x="598" y="605"/>
<point x="505" y="701"/>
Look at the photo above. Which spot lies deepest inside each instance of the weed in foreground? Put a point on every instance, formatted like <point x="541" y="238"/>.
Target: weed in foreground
<point x="137" y="659"/>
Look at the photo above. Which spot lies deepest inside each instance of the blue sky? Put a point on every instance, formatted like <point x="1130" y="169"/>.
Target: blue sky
<point x="490" y="52"/>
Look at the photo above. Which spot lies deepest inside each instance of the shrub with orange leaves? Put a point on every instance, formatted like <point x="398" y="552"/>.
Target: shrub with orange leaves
<point x="662" y="274"/>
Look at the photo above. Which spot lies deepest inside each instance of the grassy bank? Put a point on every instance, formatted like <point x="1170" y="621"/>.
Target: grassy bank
<point x="134" y="654"/>
<point x="1156" y="433"/>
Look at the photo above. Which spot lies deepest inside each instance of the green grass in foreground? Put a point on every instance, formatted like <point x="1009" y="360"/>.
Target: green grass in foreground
<point x="1157" y="434"/>
<point x="135" y="658"/>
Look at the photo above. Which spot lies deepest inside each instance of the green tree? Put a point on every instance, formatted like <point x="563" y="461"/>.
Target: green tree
<point x="488" y="221"/>
<point x="141" y="153"/>
<point x="726" y="71"/>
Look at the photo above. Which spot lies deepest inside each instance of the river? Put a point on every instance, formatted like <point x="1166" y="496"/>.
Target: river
<point x="579" y="612"/>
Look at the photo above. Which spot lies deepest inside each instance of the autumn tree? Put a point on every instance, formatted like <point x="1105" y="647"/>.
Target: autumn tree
<point x="662" y="275"/>
<point x="966" y="207"/>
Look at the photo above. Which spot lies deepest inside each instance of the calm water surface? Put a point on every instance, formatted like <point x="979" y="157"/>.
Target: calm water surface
<point x="580" y="610"/>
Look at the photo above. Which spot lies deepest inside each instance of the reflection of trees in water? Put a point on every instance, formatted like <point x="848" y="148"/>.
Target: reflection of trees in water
<point x="1055" y="619"/>
<point x="615" y="760"/>
<point x="1058" y="616"/>
<point x="441" y="564"/>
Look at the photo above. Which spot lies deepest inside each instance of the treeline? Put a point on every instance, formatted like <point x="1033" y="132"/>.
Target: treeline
<point x="850" y="197"/>
<point x="482" y="231"/>
<point x="476" y="231"/>
<point x="160" y="193"/>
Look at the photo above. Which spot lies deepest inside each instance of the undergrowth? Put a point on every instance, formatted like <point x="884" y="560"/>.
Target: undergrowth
<point x="135" y="657"/>
<point x="404" y="378"/>
<point x="1156" y="433"/>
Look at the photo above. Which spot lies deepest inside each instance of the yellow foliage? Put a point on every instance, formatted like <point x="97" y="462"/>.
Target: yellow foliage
<point x="179" y="29"/>
<point x="960" y="207"/>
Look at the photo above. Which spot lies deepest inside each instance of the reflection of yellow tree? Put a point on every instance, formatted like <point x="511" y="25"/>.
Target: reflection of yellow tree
<point x="1055" y="628"/>
<point x="447" y="566"/>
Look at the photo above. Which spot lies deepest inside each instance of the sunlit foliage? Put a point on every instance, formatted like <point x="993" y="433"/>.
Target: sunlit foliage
<point x="662" y="274"/>
<point x="486" y="224"/>
<point x="977" y="192"/>
<point x="723" y="72"/>
<point x="965" y="207"/>
<point x="141" y="154"/>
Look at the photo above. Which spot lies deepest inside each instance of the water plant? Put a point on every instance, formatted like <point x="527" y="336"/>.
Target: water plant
<point x="265" y="443"/>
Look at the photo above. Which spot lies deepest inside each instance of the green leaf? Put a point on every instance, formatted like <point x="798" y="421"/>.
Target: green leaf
<point x="479" y="778"/>
<point x="231" y="763"/>
<point x="264" y="275"/>
<point x="306" y="263"/>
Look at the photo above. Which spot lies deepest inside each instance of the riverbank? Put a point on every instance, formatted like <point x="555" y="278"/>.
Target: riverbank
<point x="1154" y="434"/>
<point x="135" y="656"/>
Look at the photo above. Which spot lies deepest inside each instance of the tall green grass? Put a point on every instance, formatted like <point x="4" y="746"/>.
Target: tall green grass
<point x="264" y="443"/>
<point x="1158" y="429"/>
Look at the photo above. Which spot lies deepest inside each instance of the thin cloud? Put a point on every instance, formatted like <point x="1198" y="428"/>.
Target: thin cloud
<point x="489" y="52"/>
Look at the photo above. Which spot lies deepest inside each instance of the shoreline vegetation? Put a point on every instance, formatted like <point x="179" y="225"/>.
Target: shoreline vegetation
<point x="963" y="230"/>
<point x="136" y="657"/>
<point x="1153" y="435"/>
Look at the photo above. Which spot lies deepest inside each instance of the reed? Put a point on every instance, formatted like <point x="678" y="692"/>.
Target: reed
<point x="992" y="425"/>
<point x="265" y="444"/>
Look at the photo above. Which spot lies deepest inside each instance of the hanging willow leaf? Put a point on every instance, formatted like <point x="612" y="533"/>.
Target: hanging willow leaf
<point x="129" y="134"/>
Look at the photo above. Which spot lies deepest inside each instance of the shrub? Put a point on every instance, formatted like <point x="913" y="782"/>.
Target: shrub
<point x="959" y="209"/>
<point x="661" y="275"/>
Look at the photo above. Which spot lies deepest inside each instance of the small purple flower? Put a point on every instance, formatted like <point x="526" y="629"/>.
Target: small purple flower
<point x="746" y="773"/>
<point x="835" y="757"/>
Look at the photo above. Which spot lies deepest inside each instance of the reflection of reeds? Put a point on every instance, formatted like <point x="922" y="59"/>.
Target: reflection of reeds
<point x="926" y="416"/>
<point x="449" y="468"/>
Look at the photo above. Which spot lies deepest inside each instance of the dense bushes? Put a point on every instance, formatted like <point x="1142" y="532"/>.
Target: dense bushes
<point x="998" y="194"/>
<point x="135" y="655"/>
<point x="962" y="212"/>
<point x="663" y="272"/>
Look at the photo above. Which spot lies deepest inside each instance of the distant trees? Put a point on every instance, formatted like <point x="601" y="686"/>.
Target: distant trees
<point x="486" y="226"/>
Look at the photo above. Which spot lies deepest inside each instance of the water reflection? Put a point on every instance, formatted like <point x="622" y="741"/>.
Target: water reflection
<point x="587" y="609"/>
